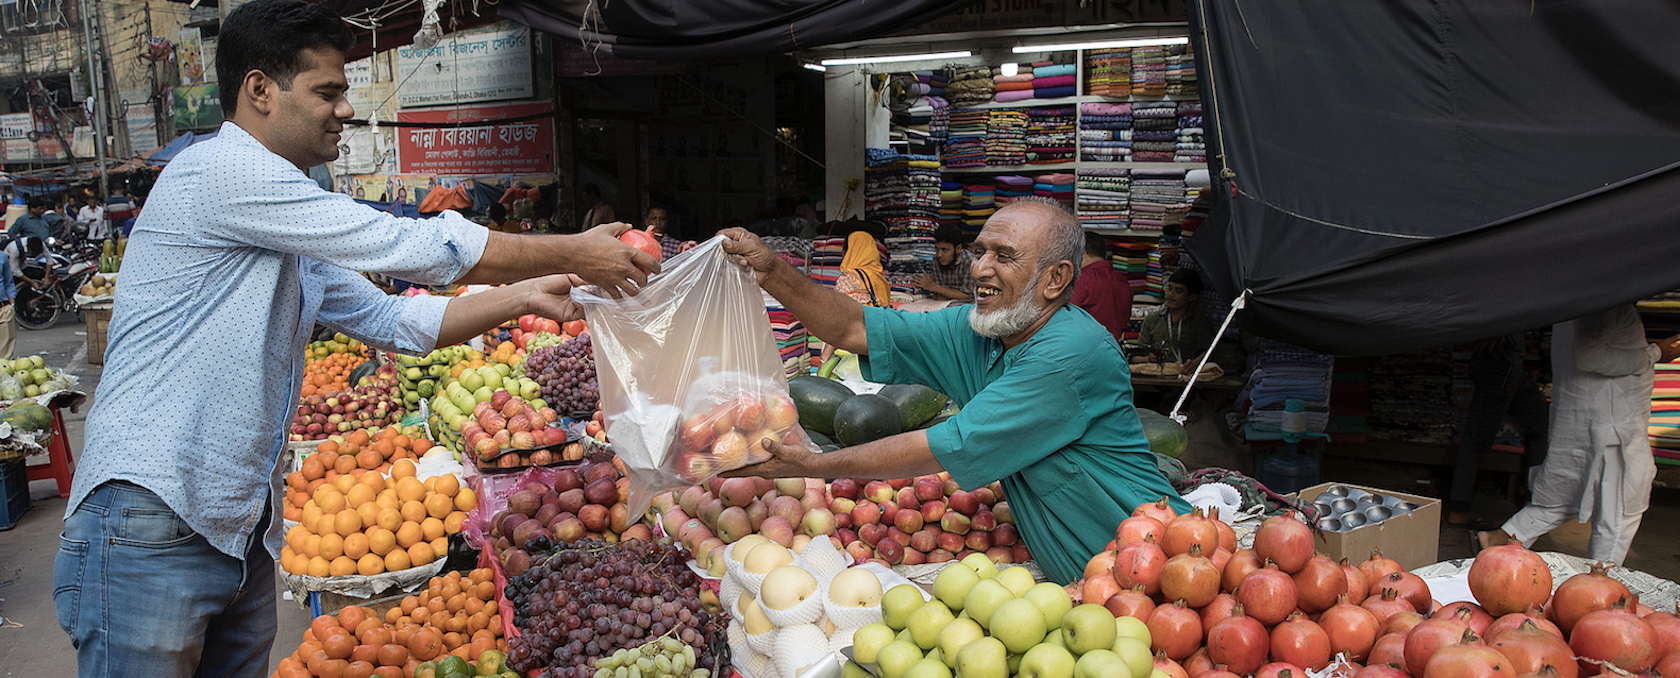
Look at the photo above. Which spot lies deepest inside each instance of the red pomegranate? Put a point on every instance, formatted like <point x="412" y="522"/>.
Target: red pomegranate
<point x="1469" y="614"/>
<point x="1190" y="529"/>
<point x="1382" y="671"/>
<point x="1668" y="666"/>
<point x="1358" y="586"/>
<point x="1198" y="663"/>
<point x="1227" y="536"/>
<point x="1516" y="619"/>
<point x="1352" y="629"/>
<point x="1615" y="636"/>
<point x="1098" y="588"/>
<point x="1280" y="669"/>
<point x="1284" y="540"/>
<point x="1132" y="602"/>
<point x="1220" y="672"/>
<point x="1544" y="672"/>
<point x="1429" y="637"/>
<point x="1140" y="563"/>
<point x="1468" y="660"/>
<point x="1301" y="642"/>
<point x="1319" y="584"/>
<point x="1238" y="642"/>
<point x="1390" y="650"/>
<point x="1385" y="603"/>
<point x="1377" y="566"/>
<point x="1243" y="561"/>
<point x="1531" y="648"/>
<point x="1667" y="625"/>
<point x="1220" y="558"/>
<point x="1158" y="509"/>
<point x="1583" y="593"/>
<point x="1169" y="667"/>
<point x="1509" y="578"/>
<point x="1101" y="564"/>
<point x="1136" y="528"/>
<point x="1219" y="609"/>
<point x="1190" y="577"/>
<point x="1401" y="622"/>
<point x="1268" y="594"/>
<point x="1410" y="588"/>
<point x="1175" y="630"/>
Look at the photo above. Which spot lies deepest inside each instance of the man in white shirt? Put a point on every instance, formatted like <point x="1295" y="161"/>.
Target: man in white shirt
<point x="92" y="218"/>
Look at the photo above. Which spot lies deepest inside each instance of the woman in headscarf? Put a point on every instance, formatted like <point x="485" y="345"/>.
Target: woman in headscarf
<point x="861" y="276"/>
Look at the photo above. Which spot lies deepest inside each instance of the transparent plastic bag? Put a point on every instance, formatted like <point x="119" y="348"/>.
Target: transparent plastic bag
<point x="689" y="373"/>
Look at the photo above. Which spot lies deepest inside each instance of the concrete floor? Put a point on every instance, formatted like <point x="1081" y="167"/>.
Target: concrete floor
<point x="36" y="646"/>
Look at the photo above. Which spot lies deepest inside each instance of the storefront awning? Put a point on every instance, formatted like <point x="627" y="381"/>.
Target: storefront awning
<point x="174" y="148"/>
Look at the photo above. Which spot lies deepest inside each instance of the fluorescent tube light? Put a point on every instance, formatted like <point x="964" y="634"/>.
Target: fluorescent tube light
<point x="816" y="67"/>
<point x="1105" y="44"/>
<point x="852" y="61"/>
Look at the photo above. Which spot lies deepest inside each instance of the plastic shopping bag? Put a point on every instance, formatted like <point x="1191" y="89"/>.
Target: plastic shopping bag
<point x="689" y="373"/>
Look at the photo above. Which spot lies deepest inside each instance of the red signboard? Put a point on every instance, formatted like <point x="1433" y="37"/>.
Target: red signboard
<point x="488" y="147"/>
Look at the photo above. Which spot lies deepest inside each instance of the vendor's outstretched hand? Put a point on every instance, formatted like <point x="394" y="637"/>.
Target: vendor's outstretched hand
<point x="551" y="297"/>
<point x="786" y="461"/>
<point x="607" y="262"/>
<point x="750" y="251"/>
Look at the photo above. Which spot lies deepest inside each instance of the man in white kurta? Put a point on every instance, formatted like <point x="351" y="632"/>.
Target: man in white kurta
<point x="1598" y="467"/>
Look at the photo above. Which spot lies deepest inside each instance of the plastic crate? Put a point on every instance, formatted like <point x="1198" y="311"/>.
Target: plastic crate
<point x="14" y="486"/>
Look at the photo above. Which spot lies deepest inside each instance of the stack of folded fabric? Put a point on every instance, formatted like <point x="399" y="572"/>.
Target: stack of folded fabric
<point x="1131" y="257"/>
<point x="1157" y="198"/>
<point x="1194" y="217"/>
<point x="1154" y="131"/>
<point x="1282" y="373"/>
<point x="1190" y="146"/>
<point x="1181" y="70"/>
<point x="1105" y="132"/>
<point x="1103" y="198"/>
<point x="1149" y="71"/>
<point x="792" y="341"/>
<point x="965" y="145"/>
<point x="886" y="183"/>
<point x="1110" y="72"/>
<point x="1012" y="187"/>
<point x="903" y="191"/>
<point x="1154" y="279"/>
<point x="1057" y="186"/>
<point x="970" y="86"/>
<point x="1052" y="81"/>
<point x="1050" y="134"/>
<point x="1665" y="415"/>
<point x="950" y="203"/>
<point x="979" y="202"/>
<point x="1014" y="87"/>
<point x="826" y="255"/>
<point x="1006" y="137"/>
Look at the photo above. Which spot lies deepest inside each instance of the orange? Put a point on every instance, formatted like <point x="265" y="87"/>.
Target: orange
<point x="311" y="546"/>
<point x="402" y="469"/>
<point x="359" y="494"/>
<point x="374" y="482"/>
<point x="420" y="553"/>
<point x="447" y="485"/>
<point x="408" y="489"/>
<point x="369" y="513"/>
<point x="389" y="518"/>
<point x="369" y="458"/>
<point x="358" y="437"/>
<point x="331" y="546"/>
<point x="401" y="441"/>
<point x="388" y="499"/>
<point x="370" y="565"/>
<point x="421" y="446"/>
<point x="466" y="500"/>
<point x="438" y="506"/>
<point x="432" y="528"/>
<point x="356" y="545"/>
<point x="452" y="524"/>
<point x="295" y="537"/>
<point x="328" y="445"/>
<point x="341" y="566"/>
<point x="346" y="481"/>
<point x="329" y="499"/>
<point x="347" y="522"/>
<point x="396" y="561"/>
<point x="414" y="511"/>
<point x="319" y="567"/>
<point x="345" y="463"/>
<point x="312" y="468"/>
<point x="440" y="546"/>
<point x="408" y="535"/>
<point x="381" y="541"/>
<point x="311" y="514"/>
<point x="430" y="484"/>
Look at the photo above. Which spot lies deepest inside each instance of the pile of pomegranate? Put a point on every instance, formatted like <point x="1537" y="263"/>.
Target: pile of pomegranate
<point x="1280" y="609"/>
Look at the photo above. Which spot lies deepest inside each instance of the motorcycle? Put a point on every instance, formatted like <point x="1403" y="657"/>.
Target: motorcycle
<point x="59" y="278"/>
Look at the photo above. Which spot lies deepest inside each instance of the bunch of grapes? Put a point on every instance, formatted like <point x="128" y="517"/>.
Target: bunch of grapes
<point x="544" y="339"/>
<point x="659" y="658"/>
<point x="590" y="599"/>
<point x="567" y="375"/>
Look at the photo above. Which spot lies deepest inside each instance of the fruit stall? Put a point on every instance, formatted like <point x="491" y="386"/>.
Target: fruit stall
<point x="32" y="397"/>
<point x="471" y="514"/>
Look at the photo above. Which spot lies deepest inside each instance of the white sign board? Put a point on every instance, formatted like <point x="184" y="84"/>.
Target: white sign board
<point x="16" y="125"/>
<point x="142" y="128"/>
<point x="486" y="65"/>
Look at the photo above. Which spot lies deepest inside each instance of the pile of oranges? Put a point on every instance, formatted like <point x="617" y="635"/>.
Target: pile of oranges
<point x="360" y="453"/>
<point x="455" y="615"/>
<point x="330" y="374"/>
<point x="368" y="524"/>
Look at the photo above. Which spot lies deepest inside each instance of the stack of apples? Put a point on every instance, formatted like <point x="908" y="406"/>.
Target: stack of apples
<point x="986" y="623"/>
<point x="586" y="502"/>
<point x="729" y="435"/>
<point x="507" y="422"/>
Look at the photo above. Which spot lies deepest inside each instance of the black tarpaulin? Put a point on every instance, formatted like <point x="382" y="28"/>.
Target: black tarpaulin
<point x="1405" y="174"/>
<point x="673" y="30"/>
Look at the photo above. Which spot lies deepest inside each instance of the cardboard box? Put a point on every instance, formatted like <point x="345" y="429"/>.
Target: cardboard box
<point x="1413" y="539"/>
<point x="98" y="324"/>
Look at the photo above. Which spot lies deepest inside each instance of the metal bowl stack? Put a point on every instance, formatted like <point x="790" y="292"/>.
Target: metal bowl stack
<point x="1342" y="508"/>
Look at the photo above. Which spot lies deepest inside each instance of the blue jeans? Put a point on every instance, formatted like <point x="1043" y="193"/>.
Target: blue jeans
<point x="142" y="594"/>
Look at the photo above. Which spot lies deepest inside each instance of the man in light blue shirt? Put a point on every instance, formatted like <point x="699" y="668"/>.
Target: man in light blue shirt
<point x="8" y="314"/>
<point x="166" y="563"/>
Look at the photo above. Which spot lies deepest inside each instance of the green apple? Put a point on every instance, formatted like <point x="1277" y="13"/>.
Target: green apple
<point x="955" y="636"/>
<point x="927" y="621"/>
<point x="896" y="658"/>
<point x="1089" y="627"/>
<point x="471" y="380"/>
<point x="464" y="401"/>
<point x="1047" y="661"/>
<point x="934" y="655"/>
<point x="413" y="373"/>
<point x="898" y="603"/>
<point x="529" y="389"/>
<point x="1019" y="624"/>
<point x="482" y="395"/>
<point x="504" y="369"/>
<point x="1052" y="600"/>
<point x="1101" y="663"/>
<point x="1016" y="579"/>
<point x="1014" y="664"/>
<point x="952" y="585"/>
<point x="852" y="670"/>
<point x="984" y="599"/>
<point x="905" y="636"/>
<point x="1136" y="655"/>
<point x="928" y="667"/>
<point x="983" y="658"/>
<point x="1134" y="628"/>
<point x="1054" y="637"/>
<point x="982" y="566"/>
<point x="869" y="640"/>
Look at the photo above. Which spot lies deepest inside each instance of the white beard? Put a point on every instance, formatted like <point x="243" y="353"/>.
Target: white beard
<point x="1006" y="321"/>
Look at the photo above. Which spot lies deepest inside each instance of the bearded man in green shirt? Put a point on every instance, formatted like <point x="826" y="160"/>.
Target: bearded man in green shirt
<point x="1045" y="392"/>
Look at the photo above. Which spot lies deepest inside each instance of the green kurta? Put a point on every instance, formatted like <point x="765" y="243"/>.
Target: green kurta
<point x="1052" y="418"/>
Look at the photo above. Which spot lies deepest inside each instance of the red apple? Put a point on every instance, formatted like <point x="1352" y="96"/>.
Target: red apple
<point x="859" y="551"/>
<point x="1019" y="551"/>
<point x="929" y="489"/>
<point x="890" y="551"/>
<point x="985" y="496"/>
<point x="866" y="514"/>
<point x="950" y="542"/>
<point x="941" y="556"/>
<point x="978" y="541"/>
<point x="841" y="505"/>
<point x="871" y="533"/>
<point x="889" y="511"/>
<point x="737" y="492"/>
<point x="933" y="511"/>
<point x="1005" y="535"/>
<point x="844" y="487"/>
<point x="908" y="521"/>
<point x="1000" y="554"/>
<point x="897" y="535"/>
<point x="692" y="466"/>
<point x="900" y="483"/>
<point x="924" y="540"/>
<point x="1004" y="515"/>
<point x="696" y="434"/>
<point x="951" y="487"/>
<point x="914" y="557"/>
<point x="878" y="492"/>
<point x="984" y="521"/>
<point x="842" y="520"/>
<point x="845" y="535"/>
<point x="955" y="523"/>
<point x="964" y="503"/>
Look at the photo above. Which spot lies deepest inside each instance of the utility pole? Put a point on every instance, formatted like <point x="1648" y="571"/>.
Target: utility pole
<point x="115" y="127"/>
<point x="94" y="80"/>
